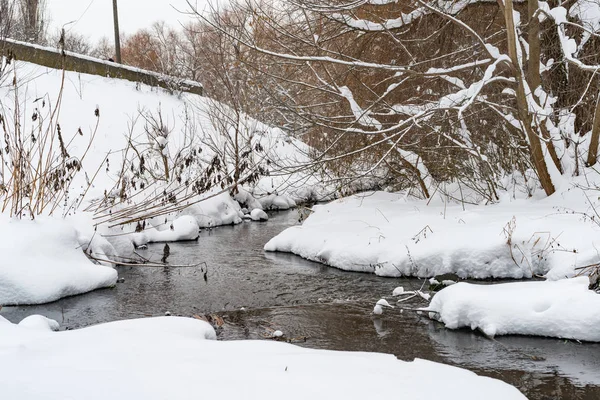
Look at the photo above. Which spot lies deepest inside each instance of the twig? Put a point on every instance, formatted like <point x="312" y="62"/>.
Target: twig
<point x="152" y="265"/>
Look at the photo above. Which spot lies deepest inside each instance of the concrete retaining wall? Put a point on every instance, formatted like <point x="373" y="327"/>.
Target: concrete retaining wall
<point x="56" y="59"/>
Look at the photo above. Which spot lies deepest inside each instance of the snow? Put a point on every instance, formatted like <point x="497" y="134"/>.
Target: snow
<point x="258" y="215"/>
<point x="170" y="358"/>
<point x="58" y="267"/>
<point x="277" y="202"/>
<point x="384" y="302"/>
<point x="391" y="235"/>
<point x="564" y="309"/>
<point x="246" y="200"/>
<point x="361" y="115"/>
<point x="42" y="261"/>
<point x="277" y="334"/>
<point x="381" y="303"/>
<point x="181" y="229"/>
<point x="218" y="209"/>
<point x="39" y="322"/>
<point x="398" y="291"/>
<point x="121" y="103"/>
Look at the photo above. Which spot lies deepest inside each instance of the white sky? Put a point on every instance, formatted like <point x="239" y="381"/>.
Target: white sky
<point x="94" y="17"/>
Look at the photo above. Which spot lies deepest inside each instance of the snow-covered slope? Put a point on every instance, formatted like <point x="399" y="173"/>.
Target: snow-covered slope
<point x="124" y="111"/>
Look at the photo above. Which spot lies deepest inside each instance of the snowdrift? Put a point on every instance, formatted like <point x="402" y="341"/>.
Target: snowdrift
<point x="170" y="358"/>
<point x="564" y="309"/>
<point x="391" y="235"/>
<point x="43" y="261"/>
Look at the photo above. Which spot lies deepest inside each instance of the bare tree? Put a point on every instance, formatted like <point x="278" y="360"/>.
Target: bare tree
<point x="32" y="14"/>
<point x="71" y="41"/>
<point x="424" y="91"/>
<point x="24" y="20"/>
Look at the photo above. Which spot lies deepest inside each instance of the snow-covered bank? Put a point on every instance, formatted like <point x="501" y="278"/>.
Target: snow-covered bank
<point x="130" y="152"/>
<point x="390" y="235"/>
<point x="564" y="309"/>
<point x="169" y="358"/>
<point x="43" y="260"/>
<point x="158" y="149"/>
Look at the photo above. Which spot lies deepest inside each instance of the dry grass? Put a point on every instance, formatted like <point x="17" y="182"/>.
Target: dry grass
<point x="37" y="170"/>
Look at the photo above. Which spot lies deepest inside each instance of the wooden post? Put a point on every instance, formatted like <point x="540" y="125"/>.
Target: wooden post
<point x="117" y="38"/>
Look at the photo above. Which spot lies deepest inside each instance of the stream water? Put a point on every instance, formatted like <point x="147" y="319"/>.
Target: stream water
<point x="251" y="293"/>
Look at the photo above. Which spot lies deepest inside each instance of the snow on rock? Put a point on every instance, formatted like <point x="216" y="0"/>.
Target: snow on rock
<point x="159" y="358"/>
<point x="216" y="209"/>
<point x="246" y="200"/>
<point x="398" y="291"/>
<point x="39" y="322"/>
<point x="390" y="235"/>
<point x="384" y="302"/>
<point x="42" y="261"/>
<point x="259" y="215"/>
<point x="182" y="228"/>
<point x="302" y="188"/>
<point x="91" y="240"/>
<point x="564" y="309"/>
<point x="276" y="202"/>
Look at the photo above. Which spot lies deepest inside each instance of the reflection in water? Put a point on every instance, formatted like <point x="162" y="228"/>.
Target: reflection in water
<point x="378" y="324"/>
<point x="329" y="308"/>
<point x="580" y="362"/>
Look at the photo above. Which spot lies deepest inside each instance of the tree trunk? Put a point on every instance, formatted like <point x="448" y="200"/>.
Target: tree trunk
<point x="593" y="149"/>
<point x="535" y="79"/>
<point x="418" y="176"/>
<point x="31" y="22"/>
<point x="535" y="145"/>
<point x="533" y="71"/>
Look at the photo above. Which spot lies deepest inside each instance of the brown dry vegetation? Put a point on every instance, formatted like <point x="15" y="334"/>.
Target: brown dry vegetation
<point x="226" y="51"/>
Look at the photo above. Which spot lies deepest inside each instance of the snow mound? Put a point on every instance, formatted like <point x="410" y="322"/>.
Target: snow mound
<point x="39" y="322"/>
<point x="390" y="235"/>
<point x="215" y="210"/>
<point x="182" y="228"/>
<point x="246" y="200"/>
<point x="42" y="261"/>
<point x="277" y="202"/>
<point x="258" y="215"/>
<point x="564" y="309"/>
<point x="159" y="358"/>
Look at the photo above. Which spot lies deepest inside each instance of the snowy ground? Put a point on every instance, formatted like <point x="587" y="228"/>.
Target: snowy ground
<point x="564" y="309"/>
<point x="169" y="357"/>
<point x="390" y="235"/>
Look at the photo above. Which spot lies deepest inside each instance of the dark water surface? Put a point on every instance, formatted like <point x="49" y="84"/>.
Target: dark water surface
<point x="318" y="307"/>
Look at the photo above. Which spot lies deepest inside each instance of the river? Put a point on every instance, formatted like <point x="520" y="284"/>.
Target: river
<point x="255" y="293"/>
